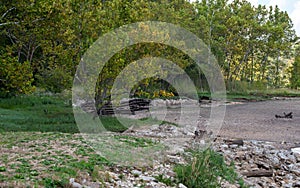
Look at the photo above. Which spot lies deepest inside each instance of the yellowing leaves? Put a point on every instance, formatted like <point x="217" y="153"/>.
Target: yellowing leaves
<point x="15" y="78"/>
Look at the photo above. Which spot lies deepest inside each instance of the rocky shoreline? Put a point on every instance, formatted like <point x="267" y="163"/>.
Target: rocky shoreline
<point x="264" y="164"/>
<point x="258" y="163"/>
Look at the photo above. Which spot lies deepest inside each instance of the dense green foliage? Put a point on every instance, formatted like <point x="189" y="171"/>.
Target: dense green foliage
<point x="15" y="77"/>
<point x="46" y="40"/>
<point x="295" y="78"/>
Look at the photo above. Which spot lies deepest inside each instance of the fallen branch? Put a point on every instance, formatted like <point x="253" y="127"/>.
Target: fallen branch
<point x="7" y="12"/>
<point x="238" y="142"/>
<point x="288" y="116"/>
<point x="259" y="173"/>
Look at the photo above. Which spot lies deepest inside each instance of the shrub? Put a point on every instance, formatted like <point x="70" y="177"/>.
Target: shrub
<point x="15" y="78"/>
<point x="206" y="169"/>
<point x="55" y="79"/>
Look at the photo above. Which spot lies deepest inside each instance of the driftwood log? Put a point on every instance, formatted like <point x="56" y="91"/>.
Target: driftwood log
<point x="139" y="104"/>
<point x="258" y="173"/>
<point x="238" y="142"/>
<point x="135" y="104"/>
<point x="288" y="116"/>
<point x="199" y="134"/>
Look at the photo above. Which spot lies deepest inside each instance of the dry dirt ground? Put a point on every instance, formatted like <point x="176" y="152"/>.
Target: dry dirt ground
<point x="254" y="120"/>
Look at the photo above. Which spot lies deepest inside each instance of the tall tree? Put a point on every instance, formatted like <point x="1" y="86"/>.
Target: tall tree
<point x="295" y="72"/>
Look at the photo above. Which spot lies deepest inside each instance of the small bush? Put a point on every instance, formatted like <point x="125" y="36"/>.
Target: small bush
<point x="15" y="78"/>
<point x="206" y="169"/>
<point x="49" y="183"/>
<point x="55" y="79"/>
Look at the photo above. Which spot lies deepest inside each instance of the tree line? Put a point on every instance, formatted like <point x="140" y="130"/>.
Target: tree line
<point x="42" y="41"/>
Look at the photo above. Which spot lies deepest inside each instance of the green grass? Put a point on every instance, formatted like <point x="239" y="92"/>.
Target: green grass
<point x="51" y="159"/>
<point x="255" y="95"/>
<point x="203" y="170"/>
<point x="34" y="113"/>
<point x="50" y="163"/>
<point x="54" y="114"/>
<point x="236" y="96"/>
<point x="276" y="93"/>
<point x="135" y="141"/>
<point x="113" y="124"/>
<point x="167" y="181"/>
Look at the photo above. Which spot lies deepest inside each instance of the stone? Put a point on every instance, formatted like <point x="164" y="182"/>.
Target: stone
<point x="224" y="146"/>
<point x="287" y="185"/>
<point x="280" y="173"/>
<point x="173" y="159"/>
<point x="296" y="172"/>
<point x="171" y="174"/>
<point x="233" y="146"/>
<point x="180" y="185"/>
<point x="262" y="164"/>
<point x="269" y="147"/>
<point x="296" y="184"/>
<point x="274" y="160"/>
<point x="114" y="176"/>
<point x="147" y="178"/>
<point x="244" y="148"/>
<point x="297" y="156"/>
<point x="282" y="156"/>
<point x="154" y="127"/>
<point x="74" y="184"/>
<point x="136" y="172"/>
<point x="289" y="177"/>
<point x="296" y="150"/>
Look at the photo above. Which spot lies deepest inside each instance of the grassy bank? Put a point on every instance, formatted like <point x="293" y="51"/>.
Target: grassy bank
<point x="40" y="148"/>
<point x="37" y="113"/>
<point x="255" y="95"/>
<point x="33" y="159"/>
<point x="52" y="114"/>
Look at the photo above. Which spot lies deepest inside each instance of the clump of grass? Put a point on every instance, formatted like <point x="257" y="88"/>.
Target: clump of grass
<point x="162" y="179"/>
<point x="206" y="169"/>
<point x="135" y="141"/>
<point x="114" y="125"/>
<point x="49" y="182"/>
<point x="153" y="121"/>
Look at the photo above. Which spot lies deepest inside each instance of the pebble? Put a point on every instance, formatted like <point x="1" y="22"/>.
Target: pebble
<point x="233" y="146"/>
<point x="296" y="150"/>
<point x="296" y="184"/>
<point x="148" y="178"/>
<point x="74" y="184"/>
<point x="136" y="172"/>
<point x="181" y="186"/>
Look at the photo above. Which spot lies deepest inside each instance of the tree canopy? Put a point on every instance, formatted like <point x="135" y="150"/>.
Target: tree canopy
<point x="42" y="41"/>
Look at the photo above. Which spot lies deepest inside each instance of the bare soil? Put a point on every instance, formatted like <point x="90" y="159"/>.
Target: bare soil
<point x="254" y="120"/>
